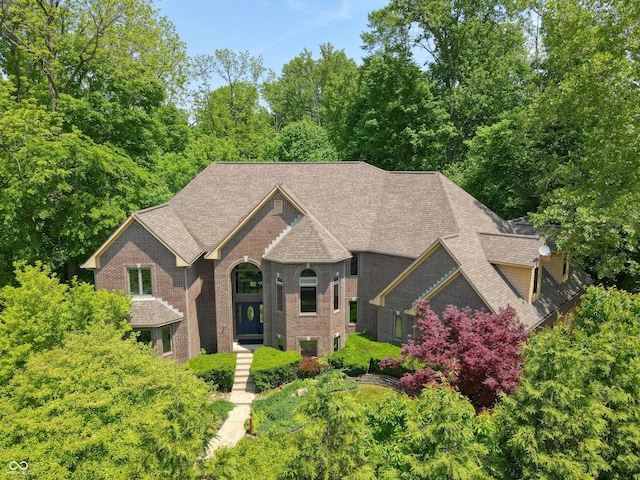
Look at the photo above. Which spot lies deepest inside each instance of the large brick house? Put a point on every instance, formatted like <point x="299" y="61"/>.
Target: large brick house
<point x="298" y="255"/>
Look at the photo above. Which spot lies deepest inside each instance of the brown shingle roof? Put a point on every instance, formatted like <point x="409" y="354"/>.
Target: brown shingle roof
<point x="307" y="241"/>
<point x="511" y="249"/>
<point x="153" y="312"/>
<point x="163" y="222"/>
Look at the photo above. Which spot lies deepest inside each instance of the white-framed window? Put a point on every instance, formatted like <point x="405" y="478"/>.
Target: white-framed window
<point x="336" y="292"/>
<point x="308" y="291"/>
<point x="279" y="294"/>
<point x="336" y="344"/>
<point x="278" y="206"/>
<point x="397" y="326"/>
<point x="140" y="281"/>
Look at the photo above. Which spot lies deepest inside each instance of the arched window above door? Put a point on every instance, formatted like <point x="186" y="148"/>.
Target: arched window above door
<point x="248" y="278"/>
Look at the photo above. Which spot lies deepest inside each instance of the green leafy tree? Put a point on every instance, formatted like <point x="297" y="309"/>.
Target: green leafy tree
<point x="474" y="53"/>
<point x="576" y="412"/>
<point x="101" y="407"/>
<point x="304" y="141"/>
<point x="61" y="193"/>
<point x="53" y="48"/>
<point x="40" y="312"/>
<point x="587" y="123"/>
<point x="233" y="112"/>
<point x="333" y="445"/>
<point x="395" y="122"/>
<point x="319" y="90"/>
<point x="502" y="169"/>
<point x="436" y="436"/>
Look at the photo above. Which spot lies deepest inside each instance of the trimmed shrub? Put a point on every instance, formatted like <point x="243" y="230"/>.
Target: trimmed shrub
<point x="361" y="355"/>
<point x="217" y="369"/>
<point x="271" y="367"/>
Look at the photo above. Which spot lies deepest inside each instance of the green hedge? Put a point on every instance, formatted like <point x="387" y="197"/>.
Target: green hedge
<point x="361" y="355"/>
<point x="271" y="367"/>
<point x="217" y="369"/>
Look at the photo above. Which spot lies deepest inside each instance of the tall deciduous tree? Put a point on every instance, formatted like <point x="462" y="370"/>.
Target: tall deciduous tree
<point x="61" y="194"/>
<point x="479" y="353"/>
<point x="319" y="90"/>
<point x="474" y="53"/>
<point x="395" y="122"/>
<point x="70" y="45"/>
<point x="587" y="116"/>
<point x="233" y="112"/>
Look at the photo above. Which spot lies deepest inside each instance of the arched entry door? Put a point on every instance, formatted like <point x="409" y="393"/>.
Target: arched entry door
<point x="247" y="299"/>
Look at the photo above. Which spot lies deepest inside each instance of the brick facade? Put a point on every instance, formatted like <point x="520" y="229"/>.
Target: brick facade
<point x="280" y="216"/>
<point x="136" y="246"/>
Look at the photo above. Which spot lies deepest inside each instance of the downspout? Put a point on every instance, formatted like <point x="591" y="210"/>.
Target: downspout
<point x="186" y="298"/>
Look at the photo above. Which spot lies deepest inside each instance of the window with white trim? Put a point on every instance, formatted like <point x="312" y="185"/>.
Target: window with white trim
<point x="140" y="281"/>
<point x="336" y="292"/>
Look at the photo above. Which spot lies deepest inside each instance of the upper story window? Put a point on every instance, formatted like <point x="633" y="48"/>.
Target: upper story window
<point x="278" y="206"/>
<point x="248" y="278"/>
<point x="140" y="281"/>
<point x="353" y="264"/>
<point x="336" y="292"/>
<point x="308" y="291"/>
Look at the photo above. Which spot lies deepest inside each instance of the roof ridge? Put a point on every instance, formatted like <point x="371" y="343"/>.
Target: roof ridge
<point x="510" y="235"/>
<point x="445" y="192"/>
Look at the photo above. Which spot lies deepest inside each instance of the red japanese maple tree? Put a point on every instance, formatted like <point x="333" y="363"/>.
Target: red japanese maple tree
<point x="478" y="353"/>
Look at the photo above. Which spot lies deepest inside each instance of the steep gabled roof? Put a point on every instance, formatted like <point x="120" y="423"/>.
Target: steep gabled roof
<point x="307" y="241"/>
<point x="165" y="225"/>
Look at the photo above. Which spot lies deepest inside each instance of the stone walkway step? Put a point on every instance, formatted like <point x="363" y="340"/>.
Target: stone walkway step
<point x="242" y="394"/>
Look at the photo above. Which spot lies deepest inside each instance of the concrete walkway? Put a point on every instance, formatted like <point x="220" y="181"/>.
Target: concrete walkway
<point x="242" y="394"/>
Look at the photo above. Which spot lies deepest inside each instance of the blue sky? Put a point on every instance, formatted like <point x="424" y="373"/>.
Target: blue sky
<point x="276" y="29"/>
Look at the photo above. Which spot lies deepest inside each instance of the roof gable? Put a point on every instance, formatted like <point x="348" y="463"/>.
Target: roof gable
<point x="307" y="241"/>
<point x="214" y="254"/>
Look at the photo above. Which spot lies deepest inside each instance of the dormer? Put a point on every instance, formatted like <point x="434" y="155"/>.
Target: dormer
<point x="519" y="258"/>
